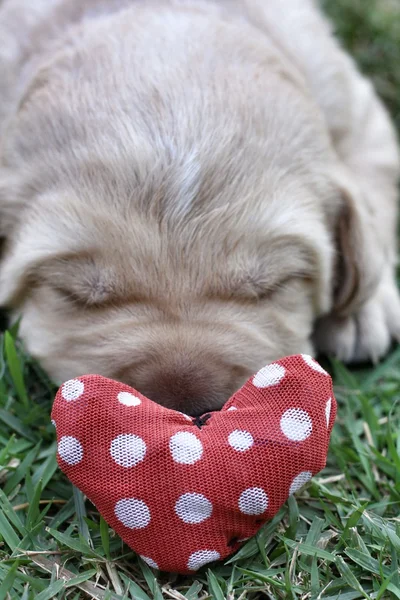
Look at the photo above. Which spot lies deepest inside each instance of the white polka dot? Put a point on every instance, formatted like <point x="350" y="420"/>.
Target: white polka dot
<point x="132" y="513"/>
<point x="269" y="376"/>
<point x="232" y="408"/>
<point x="296" y="424"/>
<point x="328" y="411"/>
<point x="152" y="563"/>
<point x="128" y="399"/>
<point x="193" y="508"/>
<point x="313" y="364"/>
<point x="202" y="557"/>
<point x="128" y="449"/>
<point x="72" y="389"/>
<point x="70" y="450"/>
<point x="186" y="416"/>
<point x="240" y="440"/>
<point x="185" y="448"/>
<point x="53" y="423"/>
<point x="300" y="480"/>
<point x="253" y="501"/>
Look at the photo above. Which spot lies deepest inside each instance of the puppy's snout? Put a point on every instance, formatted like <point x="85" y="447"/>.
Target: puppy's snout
<point x="192" y="388"/>
<point x="192" y="392"/>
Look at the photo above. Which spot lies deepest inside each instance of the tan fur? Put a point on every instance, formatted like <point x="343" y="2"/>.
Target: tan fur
<point x="187" y="187"/>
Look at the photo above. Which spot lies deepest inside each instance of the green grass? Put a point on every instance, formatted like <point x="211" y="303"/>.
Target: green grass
<point x="370" y="31"/>
<point x="338" y="539"/>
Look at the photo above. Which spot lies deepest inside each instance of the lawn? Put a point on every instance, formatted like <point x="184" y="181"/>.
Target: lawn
<point x="338" y="539"/>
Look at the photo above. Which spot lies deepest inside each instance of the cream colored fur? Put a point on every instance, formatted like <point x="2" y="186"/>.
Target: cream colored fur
<point x="191" y="189"/>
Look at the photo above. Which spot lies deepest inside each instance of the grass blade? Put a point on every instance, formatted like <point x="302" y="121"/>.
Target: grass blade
<point x="215" y="588"/>
<point x="14" y="366"/>
<point x="8" y="581"/>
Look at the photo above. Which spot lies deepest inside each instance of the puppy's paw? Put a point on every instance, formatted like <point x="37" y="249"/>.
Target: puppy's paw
<point x="366" y="335"/>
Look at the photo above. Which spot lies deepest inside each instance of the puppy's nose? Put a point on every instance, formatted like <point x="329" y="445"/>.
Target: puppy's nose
<point x="193" y="392"/>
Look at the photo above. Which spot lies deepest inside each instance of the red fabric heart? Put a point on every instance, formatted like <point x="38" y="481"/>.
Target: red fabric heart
<point x="181" y="491"/>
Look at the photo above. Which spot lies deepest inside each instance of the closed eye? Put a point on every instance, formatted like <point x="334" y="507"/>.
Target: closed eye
<point x="256" y="290"/>
<point x="70" y="296"/>
<point x="80" y="281"/>
<point x="101" y="299"/>
<point x="282" y="285"/>
<point x="273" y="267"/>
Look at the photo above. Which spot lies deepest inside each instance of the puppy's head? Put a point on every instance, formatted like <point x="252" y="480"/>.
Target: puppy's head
<point x="181" y="235"/>
<point x="184" y="310"/>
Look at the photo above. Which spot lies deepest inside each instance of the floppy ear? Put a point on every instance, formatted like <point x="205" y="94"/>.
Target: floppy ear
<point x="12" y="204"/>
<point x="359" y="257"/>
<point x="42" y="235"/>
<point x="18" y="269"/>
<point x="11" y="211"/>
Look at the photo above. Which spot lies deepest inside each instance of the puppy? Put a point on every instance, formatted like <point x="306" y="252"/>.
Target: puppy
<point x="190" y="189"/>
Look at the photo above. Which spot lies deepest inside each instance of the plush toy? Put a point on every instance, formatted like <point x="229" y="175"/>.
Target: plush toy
<point x="183" y="491"/>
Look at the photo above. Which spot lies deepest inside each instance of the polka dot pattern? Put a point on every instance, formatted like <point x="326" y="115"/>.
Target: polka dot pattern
<point x="311" y="362"/>
<point x="128" y="450"/>
<point x="328" y="411"/>
<point x="193" y="508"/>
<point x="128" y="399"/>
<point x="298" y="482"/>
<point x="132" y="513"/>
<point x="177" y="489"/>
<point x="72" y="389"/>
<point x="70" y="450"/>
<point x="152" y="563"/>
<point x="253" y="501"/>
<point x="240" y="440"/>
<point x="296" y="424"/>
<point x="202" y="557"/>
<point x="185" y="447"/>
<point x="185" y="416"/>
<point x="269" y="376"/>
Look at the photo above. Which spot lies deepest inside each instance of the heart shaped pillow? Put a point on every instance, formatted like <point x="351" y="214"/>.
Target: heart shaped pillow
<point x="185" y="491"/>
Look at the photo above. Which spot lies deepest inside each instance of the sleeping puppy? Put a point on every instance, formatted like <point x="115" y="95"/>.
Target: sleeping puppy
<point x="190" y="189"/>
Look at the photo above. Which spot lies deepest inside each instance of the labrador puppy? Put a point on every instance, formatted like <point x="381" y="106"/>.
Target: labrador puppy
<point x="190" y="189"/>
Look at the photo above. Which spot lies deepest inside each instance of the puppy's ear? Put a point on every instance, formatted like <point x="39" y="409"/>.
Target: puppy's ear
<point x="12" y="203"/>
<point x="359" y="257"/>
<point x="41" y="236"/>
<point x="17" y="272"/>
<point x="11" y="210"/>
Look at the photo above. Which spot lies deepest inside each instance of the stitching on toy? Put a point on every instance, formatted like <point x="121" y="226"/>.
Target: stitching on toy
<point x="202" y="420"/>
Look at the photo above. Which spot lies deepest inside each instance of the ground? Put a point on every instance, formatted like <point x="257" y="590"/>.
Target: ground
<point x="338" y="539"/>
